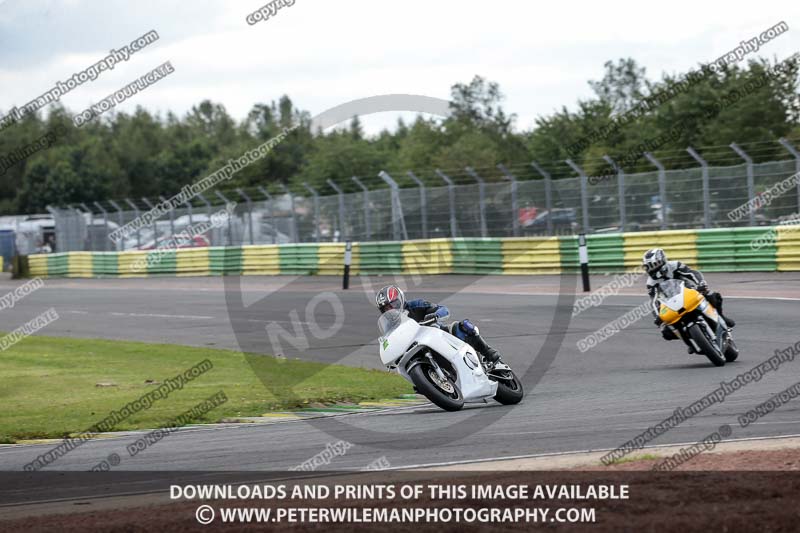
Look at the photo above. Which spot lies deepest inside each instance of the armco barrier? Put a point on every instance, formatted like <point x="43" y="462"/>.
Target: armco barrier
<point x="434" y="256"/>
<point x="788" y="248"/>
<point x="193" y="262"/>
<point x="259" y="260"/>
<point x="678" y="244"/>
<point x="716" y="250"/>
<point x="531" y="255"/>
<point x="381" y="258"/>
<point x="477" y="256"/>
<point x="730" y="250"/>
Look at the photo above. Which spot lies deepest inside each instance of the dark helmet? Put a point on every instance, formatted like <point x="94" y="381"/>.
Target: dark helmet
<point x="390" y="297"/>
<point x="653" y="261"/>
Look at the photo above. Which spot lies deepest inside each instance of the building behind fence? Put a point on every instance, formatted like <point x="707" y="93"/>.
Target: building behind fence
<point x="524" y="201"/>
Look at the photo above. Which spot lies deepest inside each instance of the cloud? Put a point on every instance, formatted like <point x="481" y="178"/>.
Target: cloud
<point x="323" y="53"/>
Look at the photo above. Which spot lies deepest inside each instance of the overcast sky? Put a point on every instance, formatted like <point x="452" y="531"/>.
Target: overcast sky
<point x="323" y="53"/>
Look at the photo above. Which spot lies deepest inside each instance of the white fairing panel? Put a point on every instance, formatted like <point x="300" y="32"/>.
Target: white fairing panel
<point x="398" y="341"/>
<point x="472" y="381"/>
<point x="404" y="337"/>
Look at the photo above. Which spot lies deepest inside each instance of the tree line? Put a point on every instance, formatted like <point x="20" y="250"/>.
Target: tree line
<point x="141" y="154"/>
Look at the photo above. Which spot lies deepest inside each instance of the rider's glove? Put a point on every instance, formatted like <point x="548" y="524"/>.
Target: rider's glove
<point x="703" y="288"/>
<point x="429" y="319"/>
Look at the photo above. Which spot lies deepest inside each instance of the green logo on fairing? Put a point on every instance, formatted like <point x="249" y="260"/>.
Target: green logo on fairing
<point x="385" y="343"/>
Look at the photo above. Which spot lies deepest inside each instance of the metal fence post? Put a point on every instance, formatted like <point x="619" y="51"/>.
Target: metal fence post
<point x="208" y="214"/>
<point x="171" y="218"/>
<point x="548" y="195"/>
<point x="340" y="195"/>
<point x="295" y="230"/>
<point x="706" y="191"/>
<point x="792" y="150"/>
<point x="76" y="237"/>
<point x="136" y="216"/>
<point x="584" y="195"/>
<point x="514" y="204"/>
<point x="315" y="196"/>
<point x="249" y="204"/>
<point x="230" y="218"/>
<point x="662" y="187"/>
<point x="367" y="228"/>
<point x="120" y="216"/>
<point x="188" y="205"/>
<point x="451" y="194"/>
<point x="620" y="190"/>
<point x="481" y="198"/>
<point x="105" y="224"/>
<point x="268" y="196"/>
<point x="155" y="226"/>
<point x="423" y="203"/>
<point x="395" y="193"/>
<point x="751" y="188"/>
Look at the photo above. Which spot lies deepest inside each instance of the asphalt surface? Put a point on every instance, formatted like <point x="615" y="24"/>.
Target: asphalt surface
<point x="583" y="401"/>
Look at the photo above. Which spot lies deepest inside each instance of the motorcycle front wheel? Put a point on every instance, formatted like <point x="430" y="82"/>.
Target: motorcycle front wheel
<point x="731" y="351"/>
<point x="706" y="346"/>
<point x="445" y="394"/>
<point x="509" y="391"/>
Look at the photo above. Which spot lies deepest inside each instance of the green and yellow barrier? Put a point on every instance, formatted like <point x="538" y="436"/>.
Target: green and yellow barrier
<point x="756" y="249"/>
<point x="261" y="260"/>
<point x="434" y="256"/>
<point x="787" y="248"/>
<point x="193" y="262"/>
<point x="733" y="250"/>
<point x="531" y="255"/>
<point x="380" y="258"/>
<point x="680" y="244"/>
<point x="477" y="256"/>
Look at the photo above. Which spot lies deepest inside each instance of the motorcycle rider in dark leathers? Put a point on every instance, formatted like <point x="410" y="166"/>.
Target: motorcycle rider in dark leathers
<point x="431" y="314"/>
<point x="659" y="269"/>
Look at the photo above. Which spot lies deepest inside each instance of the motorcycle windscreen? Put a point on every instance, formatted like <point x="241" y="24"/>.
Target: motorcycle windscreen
<point x="671" y="292"/>
<point x="390" y="321"/>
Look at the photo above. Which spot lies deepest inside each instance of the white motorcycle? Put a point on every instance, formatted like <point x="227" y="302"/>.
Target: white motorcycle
<point x="443" y="368"/>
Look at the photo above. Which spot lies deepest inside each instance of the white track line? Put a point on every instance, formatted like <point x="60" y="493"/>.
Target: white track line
<point x="557" y="454"/>
<point x="156" y="315"/>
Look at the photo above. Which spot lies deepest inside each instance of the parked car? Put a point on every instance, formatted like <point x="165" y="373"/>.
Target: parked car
<point x="563" y="219"/>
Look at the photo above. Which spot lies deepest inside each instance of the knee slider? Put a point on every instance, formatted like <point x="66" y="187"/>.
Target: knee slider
<point x="468" y="327"/>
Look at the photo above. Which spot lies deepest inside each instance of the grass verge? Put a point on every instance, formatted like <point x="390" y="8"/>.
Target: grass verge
<point x="52" y="387"/>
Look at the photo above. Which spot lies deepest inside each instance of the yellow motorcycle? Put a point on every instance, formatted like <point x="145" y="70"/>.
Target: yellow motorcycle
<point x="692" y="318"/>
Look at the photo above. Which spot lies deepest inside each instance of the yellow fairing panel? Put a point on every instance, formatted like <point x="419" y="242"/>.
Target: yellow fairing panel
<point x="691" y="299"/>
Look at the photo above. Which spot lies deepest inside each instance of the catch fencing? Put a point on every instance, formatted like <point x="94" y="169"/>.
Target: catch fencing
<point x="519" y="201"/>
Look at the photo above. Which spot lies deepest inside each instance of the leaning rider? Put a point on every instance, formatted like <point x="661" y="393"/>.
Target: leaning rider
<point x="430" y="314"/>
<point x="659" y="269"/>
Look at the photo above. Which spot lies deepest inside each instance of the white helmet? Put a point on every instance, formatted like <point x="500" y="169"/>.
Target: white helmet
<point x="653" y="261"/>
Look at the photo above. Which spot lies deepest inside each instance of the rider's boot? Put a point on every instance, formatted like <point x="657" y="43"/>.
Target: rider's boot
<point x="469" y="332"/>
<point x="718" y="304"/>
<point x="491" y="355"/>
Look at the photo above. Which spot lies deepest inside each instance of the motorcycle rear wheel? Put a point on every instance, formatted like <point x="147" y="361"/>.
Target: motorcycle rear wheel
<point x="427" y="385"/>
<point x="706" y="346"/>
